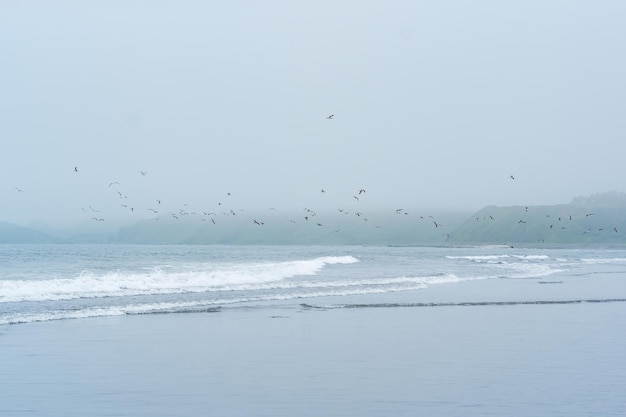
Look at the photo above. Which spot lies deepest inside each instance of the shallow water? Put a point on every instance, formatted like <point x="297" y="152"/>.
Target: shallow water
<point x="374" y="354"/>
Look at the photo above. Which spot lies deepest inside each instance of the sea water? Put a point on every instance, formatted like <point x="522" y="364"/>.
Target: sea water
<point x="297" y="330"/>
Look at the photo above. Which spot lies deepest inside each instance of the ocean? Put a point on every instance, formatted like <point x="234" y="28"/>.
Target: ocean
<point x="143" y="330"/>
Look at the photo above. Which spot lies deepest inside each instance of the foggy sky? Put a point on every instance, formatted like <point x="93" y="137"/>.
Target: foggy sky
<point x="436" y="104"/>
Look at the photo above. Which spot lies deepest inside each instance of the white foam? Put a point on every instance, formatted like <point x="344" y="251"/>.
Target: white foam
<point x="604" y="260"/>
<point x="532" y="257"/>
<point x="157" y="281"/>
<point x="479" y="258"/>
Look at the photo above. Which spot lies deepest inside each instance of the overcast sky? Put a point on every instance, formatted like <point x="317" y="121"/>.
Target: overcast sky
<point x="436" y="104"/>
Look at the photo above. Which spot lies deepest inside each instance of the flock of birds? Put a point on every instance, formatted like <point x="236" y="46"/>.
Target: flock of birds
<point x="308" y="216"/>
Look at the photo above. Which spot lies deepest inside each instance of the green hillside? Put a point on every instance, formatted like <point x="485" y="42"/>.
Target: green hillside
<point x="381" y="228"/>
<point x="580" y="222"/>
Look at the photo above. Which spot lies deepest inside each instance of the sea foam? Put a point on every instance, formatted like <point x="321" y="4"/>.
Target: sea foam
<point x="158" y="281"/>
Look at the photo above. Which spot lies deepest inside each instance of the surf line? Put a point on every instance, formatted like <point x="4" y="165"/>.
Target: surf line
<point x="462" y="304"/>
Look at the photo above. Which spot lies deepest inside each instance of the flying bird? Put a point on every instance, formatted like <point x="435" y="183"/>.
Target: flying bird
<point x="330" y="117"/>
<point x="75" y="169"/>
<point x="113" y="183"/>
<point x="143" y="173"/>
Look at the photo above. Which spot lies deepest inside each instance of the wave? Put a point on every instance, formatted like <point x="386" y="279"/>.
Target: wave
<point x="604" y="260"/>
<point x="461" y="304"/>
<point x="189" y="307"/>
<point x="157" y="281"/>
<point x="479" y="258"/>
<point x="491" y="258"/>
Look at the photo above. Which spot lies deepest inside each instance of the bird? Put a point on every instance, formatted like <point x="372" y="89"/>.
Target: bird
<point x="144" y="173"/>
<point x="356" y="198"/>
<point x="19" y="190"/>
<point x="361" y="191"/>
<point x="330" y="116"/>
<point x="512" y="177"/>
<point x="75" y="169"/>
<point x="113" y="183"/>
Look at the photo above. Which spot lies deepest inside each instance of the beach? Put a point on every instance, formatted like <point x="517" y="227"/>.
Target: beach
<point x="286" y="359"/>
<point x="335" y="331"/>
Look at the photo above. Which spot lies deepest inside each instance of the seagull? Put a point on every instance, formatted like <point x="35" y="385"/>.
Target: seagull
<point x="113" y="183"/>
<point x="512" y="177"/>
<point x="330" y="117"/>
<point x="356" y="198"/>
<point x="144" y="173"/>
<point x="361" y="191"/>
<point x="19" y="190"/>
<point x="75" y="169"/>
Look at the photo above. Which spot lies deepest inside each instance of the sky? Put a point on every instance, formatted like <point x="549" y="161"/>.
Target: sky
<point x="436" y="105"/>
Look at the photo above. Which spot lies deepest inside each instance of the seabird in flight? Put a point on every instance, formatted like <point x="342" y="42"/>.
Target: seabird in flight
<point x="144" y="173"/>
<point x="330" y="117"/>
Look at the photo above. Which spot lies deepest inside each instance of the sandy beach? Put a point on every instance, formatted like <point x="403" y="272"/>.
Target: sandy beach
<point x="286" y="360"/>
